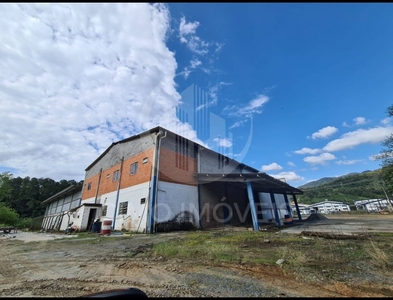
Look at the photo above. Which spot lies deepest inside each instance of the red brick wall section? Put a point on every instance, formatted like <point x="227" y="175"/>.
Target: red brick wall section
<point x="169" y="172"/>
<point x="107" y="184"/>
<point x="143" y="173"/>
<point x="92" y="192"/>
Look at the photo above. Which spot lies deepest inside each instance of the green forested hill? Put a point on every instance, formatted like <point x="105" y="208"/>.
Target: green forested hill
<point x="348" y="188"/>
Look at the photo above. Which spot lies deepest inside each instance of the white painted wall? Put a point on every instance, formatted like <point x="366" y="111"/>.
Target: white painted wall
<point x="136" y="217"/>
<point x="173" y="199"/>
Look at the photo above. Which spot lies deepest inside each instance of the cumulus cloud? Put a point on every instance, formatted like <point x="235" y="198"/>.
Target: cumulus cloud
<point x="76" y="77"/>
<point x="358" y="137"/>
<point x="319" y="159"/>
<point x="187" y="32"/>
<point x="289" y="176"/>
<point x="386" y="121"/>
<point x="223" y="142"/>
<point x="359" y="121"/>
<point x="271" y="167"/>
<point x="307" y="151"/>
<point x="291" y="164"/>
<point x="324" y="132"/>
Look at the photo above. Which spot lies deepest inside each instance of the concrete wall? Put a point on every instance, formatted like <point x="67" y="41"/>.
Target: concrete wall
<point x="125" y="149"/>
<point x="135" y="218"/>
<point x="224" y="204"/>
<point x="102" y="182"/>
<point x="176" y="207"/>
<point x="211" y="162"/>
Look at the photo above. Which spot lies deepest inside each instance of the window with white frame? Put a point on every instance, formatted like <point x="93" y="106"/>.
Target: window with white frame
<point x="123" y="208"/>
<point x="115" y="175"/>
<point x="104" y="210"/>
<point x="134" y="168"/>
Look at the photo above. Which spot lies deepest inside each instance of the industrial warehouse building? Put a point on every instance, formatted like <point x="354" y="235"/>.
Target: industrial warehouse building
<point x="160" y="181"/>
<point x="373" y="205"/>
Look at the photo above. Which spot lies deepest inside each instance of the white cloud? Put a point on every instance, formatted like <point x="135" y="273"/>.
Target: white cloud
<point x="271" y="167"/>
<point x="214" y="92"/>
<point x="187" y="35"/>
<point x="195" y="63"/>
<point x="320" y="159"/>
<point x="291" y="164"/>
<point x="253" y="107"/>
<point x="76" y="77"/>
<point x="348" y="162"/>
<point x="308" y="151"/>
<point x="359" y="121"/>
<point x="358" y="137"/>
<point x="289" y="176"/>
<point x="324" y="132"/>
<point x="238" y="124"/>
<point x="386" y="121"/>
<point x="223" y="142"/>
<point x="345" y="124"/>
<point x="187" y="28"/>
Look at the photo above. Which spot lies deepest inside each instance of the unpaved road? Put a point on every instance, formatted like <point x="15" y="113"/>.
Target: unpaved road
<point x="57" y="265"/>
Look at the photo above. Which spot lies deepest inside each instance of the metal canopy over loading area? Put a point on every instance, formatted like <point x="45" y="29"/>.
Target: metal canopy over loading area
<point x="252" y="184"/>
<point x="260" y="181"/>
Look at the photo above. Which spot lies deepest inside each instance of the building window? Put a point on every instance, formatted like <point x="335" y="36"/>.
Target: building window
<point x="89" y="186"/>
<point x="134" y="168"/>
<point x="115" y="175"/>
<point x="144" y="160"/>
<point x="143" y="200"/>
<point x="104" y="210"/>
<point x="108" y="175"/>
<point x="123" y="208"/>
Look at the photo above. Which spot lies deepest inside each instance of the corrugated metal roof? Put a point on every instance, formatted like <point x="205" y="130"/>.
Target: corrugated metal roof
<point x="67" y="191"/>
<point x="260" y="181"/>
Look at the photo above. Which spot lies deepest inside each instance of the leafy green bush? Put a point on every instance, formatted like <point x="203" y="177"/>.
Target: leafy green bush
<point x="8" y="216"/>
<point x="24" y="223"/>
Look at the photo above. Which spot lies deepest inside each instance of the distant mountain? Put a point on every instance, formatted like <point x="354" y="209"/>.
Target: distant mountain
<point x="346" y="188"/>
<point x="318" y="182"/>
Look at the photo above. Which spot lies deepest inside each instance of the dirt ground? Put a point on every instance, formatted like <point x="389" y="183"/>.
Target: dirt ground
<point x="59" y="265"/>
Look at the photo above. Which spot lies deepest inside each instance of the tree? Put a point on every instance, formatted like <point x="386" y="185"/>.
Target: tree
<point x="5" y="186"/>
<point x="386" y="157"/>
<point x="8" y="216"/>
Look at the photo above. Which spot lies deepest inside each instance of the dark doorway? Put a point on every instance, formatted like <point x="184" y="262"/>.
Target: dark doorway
<point x="92" y="216"/>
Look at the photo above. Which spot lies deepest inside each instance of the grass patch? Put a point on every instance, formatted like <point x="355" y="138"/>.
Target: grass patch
<point x="312" y="258"/>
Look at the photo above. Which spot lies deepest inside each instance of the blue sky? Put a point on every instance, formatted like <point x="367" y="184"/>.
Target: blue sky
<point x="302" y="88"/>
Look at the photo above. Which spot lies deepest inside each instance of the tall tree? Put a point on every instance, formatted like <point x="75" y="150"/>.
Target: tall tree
<point x="5" y="186"/>
<point x="386" y="157"/>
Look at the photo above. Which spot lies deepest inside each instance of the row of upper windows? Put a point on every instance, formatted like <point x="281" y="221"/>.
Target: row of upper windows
<point x="133" y="170"/>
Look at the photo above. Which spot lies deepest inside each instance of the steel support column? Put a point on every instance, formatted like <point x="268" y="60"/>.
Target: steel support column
<point x="276" y="216"/>
<point x="289" y="208"/>
<point x="297" y="207"/>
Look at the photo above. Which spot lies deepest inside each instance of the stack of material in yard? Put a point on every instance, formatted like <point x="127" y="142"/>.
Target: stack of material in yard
<point x="316" y="217"/>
